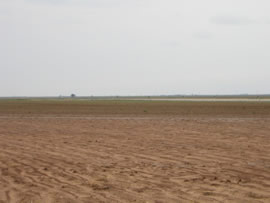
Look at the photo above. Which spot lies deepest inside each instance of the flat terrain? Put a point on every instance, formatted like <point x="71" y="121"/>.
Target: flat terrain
<point x="134" y="151"/>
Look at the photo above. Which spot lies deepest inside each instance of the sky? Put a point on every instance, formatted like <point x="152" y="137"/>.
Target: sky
<point x="134" y="47"/>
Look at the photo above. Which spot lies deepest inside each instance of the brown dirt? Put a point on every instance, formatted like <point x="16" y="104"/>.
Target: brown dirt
<point x="135" y="156"/>
<point x="118" y="107"/>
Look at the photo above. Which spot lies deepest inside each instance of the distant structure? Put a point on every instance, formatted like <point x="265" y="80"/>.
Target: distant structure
<point x="73" y="95"/>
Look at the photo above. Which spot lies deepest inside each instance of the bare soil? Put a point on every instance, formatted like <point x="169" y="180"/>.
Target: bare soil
<point x="134" y="152"/>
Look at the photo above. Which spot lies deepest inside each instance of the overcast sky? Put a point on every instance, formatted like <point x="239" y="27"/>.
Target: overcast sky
<point x="134" y="47"/>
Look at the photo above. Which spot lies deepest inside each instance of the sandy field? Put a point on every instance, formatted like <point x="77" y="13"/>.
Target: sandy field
<point x="134" y="151"/>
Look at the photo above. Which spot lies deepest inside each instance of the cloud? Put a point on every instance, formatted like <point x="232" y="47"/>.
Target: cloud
<point x="267" y="21"/>
<point x="202" y="35"/>
<point x="90" y="3"/>
<point x="52" y="2"/>
<point x="231" y="20"/>
<point x="171" y="43"/>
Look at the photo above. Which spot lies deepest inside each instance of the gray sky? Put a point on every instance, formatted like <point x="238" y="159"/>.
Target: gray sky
<point x="134" y="47"/>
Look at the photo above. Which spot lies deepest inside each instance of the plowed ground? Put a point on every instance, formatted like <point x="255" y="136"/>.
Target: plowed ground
<point x="145" y="153"/>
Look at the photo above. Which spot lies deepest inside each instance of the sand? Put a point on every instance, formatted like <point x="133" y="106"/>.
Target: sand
<point x="134" y="158"/>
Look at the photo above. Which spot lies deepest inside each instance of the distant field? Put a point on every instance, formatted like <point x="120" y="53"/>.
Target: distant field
<point x="132" y="107"/>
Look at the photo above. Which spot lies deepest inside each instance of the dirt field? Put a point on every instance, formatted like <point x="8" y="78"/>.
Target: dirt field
<point x="121" y="151"/>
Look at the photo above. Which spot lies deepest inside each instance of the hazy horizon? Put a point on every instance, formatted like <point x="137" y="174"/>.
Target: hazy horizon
<point x="134" y="47"/>
<point x="171" y="95"/>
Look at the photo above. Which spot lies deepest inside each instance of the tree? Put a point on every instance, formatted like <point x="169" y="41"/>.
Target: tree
<point x="73" y="95"/>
